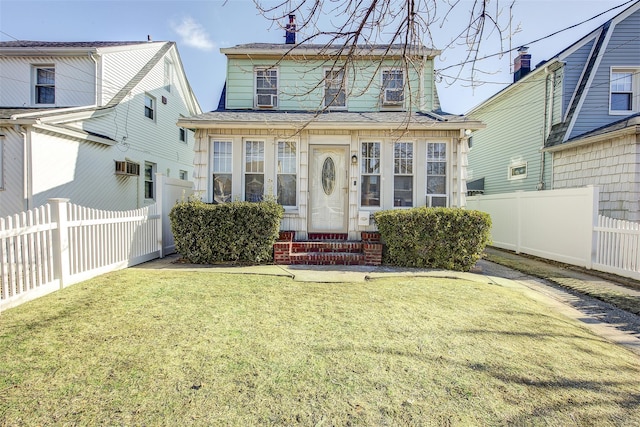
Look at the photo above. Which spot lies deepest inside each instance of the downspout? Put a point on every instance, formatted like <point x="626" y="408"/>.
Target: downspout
<point x="95" y="68"/>
<point x="541" y="185"/>
<point x="27" y="184"/>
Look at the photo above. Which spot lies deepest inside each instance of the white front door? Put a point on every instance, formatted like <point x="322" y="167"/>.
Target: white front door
<point x="328" y="187"/>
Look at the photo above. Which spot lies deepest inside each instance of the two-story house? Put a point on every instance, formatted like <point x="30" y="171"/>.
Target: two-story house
<point x="332" y="136"/>
<point x="92" y="122"/>
<point x="572" y="121"/>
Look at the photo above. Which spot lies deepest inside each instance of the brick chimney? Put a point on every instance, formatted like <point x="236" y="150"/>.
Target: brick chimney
<point x="522" y="64"/>
<point x="290" y="30"/>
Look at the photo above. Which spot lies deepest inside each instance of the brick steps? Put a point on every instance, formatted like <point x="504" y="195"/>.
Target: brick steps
<point x="328" y="249"/>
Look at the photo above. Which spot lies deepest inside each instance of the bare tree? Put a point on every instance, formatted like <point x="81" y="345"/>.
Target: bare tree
<point x="345" y="29"/>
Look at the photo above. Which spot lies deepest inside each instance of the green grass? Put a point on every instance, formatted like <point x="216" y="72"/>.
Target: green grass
<point x="142" y="347"/>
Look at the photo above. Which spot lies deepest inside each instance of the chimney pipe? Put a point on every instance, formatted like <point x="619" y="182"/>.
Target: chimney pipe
<point x="290" y="30"/>
<point x="522" y="64"/>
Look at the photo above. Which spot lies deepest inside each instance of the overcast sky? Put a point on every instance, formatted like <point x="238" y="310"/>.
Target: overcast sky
<point x="201" y="28"/>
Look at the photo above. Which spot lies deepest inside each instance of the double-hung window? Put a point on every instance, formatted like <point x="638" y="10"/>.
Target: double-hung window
<point x="266" y="95"/>
<point x="149" y="107"/>
<point x="370" y="174"/>
<point x="222" y="164"/>
<point x="392" y="87"/>
<point x="254" y="171"/>
<point x="335" y="95"/>
<point x="403" y="174"/>
<point x="436" y="174"/>
<point x="287" y="173"/>
<point x="625" y="91"/>
<point x="149" y="180"/>
<point x="45" y="85"/>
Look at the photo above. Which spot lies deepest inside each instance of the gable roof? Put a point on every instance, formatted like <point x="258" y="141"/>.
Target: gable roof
<point x="45" y="44"/>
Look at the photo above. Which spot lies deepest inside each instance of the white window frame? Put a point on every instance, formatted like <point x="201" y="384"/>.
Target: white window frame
<point x="412" y="174"/>
<point x="295" y="159"/>
<point x="250" y="173"/>
<point x="515" y="173"/>
<point x="331" y="77"/>
<point x="222" y="165"/>
<point x="265" y="91"/>
<point x="633" y="91"/>
<point x="37" y="84"/>
<point x="364" y="172"/>
<point x="1" y="162"/>
<point x="384" y="85"/>
<point x="150" y="105"/>
<point x="431" y="196"/>
<point x="151" y="180"/>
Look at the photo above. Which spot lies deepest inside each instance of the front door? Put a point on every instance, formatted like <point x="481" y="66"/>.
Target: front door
<point x="328" y="202"/>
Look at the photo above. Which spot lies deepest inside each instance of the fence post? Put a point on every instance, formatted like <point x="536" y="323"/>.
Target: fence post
<point x="518" y="220"/>
<point x="595" y="203"/>
<point x="60" y="240"/>
<point x="160" y="196"/>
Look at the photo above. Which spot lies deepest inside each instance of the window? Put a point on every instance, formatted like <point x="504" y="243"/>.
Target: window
<point x="334" y="89"/>
<point x="149" y="180"/>
<point x="183" y="135"/>
<point x="168" y="74"/>
<point x="392" y="87"/>
<point x="517" y="170"/>
<point x="436" y="174"/>
<point x="287" y="177"/>
<point x="403" y="174"/>
<point x="624" y="90"/>
<point x="184" y="175"/>
<point x="222" y="156"/>
<point x="1" y="162"/>
<point x="370" y="174"/>
<point x="45" y="90"/>
<point x="149" y="107"/>
<point x="254" y="171"/>
<point x="266" y="87"/>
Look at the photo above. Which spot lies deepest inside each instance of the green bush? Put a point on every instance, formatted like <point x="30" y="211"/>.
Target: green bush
<point x="228" y="232"/>
<point x="446" y="238"/>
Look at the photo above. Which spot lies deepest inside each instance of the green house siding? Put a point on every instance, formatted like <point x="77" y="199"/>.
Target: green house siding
<point x="513" y="136"/>
<point x="300" y="85"/>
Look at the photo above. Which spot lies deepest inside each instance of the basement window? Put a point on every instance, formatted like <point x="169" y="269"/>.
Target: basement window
<point x="517" y="171"/>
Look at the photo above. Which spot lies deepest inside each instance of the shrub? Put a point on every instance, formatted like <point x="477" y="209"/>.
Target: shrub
<point x="447" y="238"/>
<point x="228" y="232"/>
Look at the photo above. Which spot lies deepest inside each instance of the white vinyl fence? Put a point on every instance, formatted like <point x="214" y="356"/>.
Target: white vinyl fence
<point x="59" y="244"/>
<point x="562" y="225"/>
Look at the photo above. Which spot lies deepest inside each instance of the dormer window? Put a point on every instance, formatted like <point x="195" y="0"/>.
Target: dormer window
<point x="266" y="95"/>
<point x="392" y="87"/>
<point x="45" y="85"/>
<point x="335" y="96"/>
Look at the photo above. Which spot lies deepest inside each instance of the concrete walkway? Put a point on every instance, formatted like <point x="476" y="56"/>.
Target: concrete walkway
<point x="612" y="324"/>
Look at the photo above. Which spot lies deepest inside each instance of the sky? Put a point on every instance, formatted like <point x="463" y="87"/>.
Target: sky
<point x="200" y="28"/>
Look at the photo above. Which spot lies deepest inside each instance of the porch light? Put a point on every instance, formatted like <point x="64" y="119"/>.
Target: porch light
<point x="354" y="159"/>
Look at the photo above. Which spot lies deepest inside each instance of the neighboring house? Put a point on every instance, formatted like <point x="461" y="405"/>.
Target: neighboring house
<point x="572" y="121"/>
<point x="332" y="140"/>
<point x="92" y="122"/>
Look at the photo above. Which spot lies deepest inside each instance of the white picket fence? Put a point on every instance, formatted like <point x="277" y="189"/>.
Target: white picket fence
<point x="563" y="225"/>
<point x="59" y="244"/>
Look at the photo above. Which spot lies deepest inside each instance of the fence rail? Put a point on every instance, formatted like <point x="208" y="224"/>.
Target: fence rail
<point x="59" y="244"/>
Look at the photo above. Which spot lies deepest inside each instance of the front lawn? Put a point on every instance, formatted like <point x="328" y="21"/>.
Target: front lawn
<point x="146" y="347"/>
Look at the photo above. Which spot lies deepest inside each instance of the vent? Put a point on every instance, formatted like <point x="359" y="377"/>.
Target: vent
<point x="127" y="168"/>
<point x="393" y="96"/>
<point x="267" y="101"/>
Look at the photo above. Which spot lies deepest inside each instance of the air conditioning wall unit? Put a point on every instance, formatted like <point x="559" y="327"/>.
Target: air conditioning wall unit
<point x="267" y="101"/>
<point x="127" y="168"/>
<point x="393" y="96"/>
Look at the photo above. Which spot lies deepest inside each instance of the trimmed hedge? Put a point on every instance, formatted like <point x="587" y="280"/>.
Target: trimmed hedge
<point x="443" y="238"/>
<point x="230" y="232"/>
